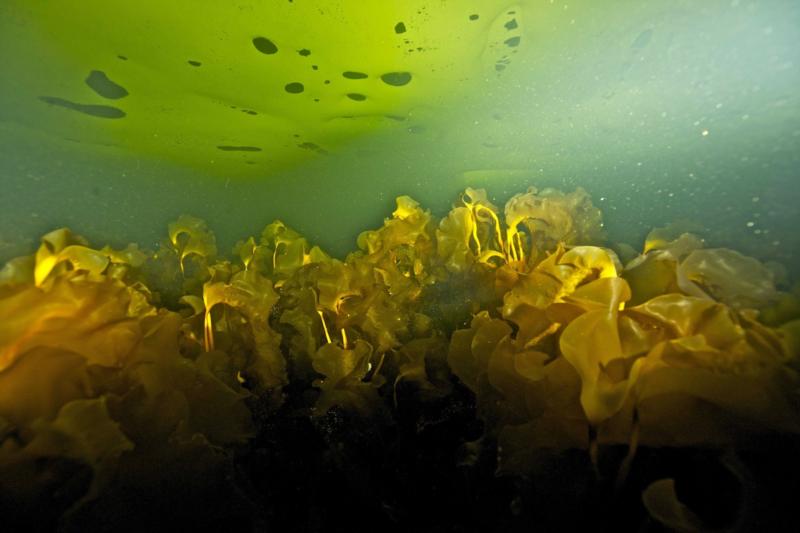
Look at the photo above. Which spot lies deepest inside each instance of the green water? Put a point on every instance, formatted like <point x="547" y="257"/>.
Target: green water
<point x="662" y="110"/>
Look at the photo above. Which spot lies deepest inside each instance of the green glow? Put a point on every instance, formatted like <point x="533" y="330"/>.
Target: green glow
<point x="202" y="78"/>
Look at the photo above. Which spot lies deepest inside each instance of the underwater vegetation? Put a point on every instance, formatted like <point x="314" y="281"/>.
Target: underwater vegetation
<point x="511" y="357"/>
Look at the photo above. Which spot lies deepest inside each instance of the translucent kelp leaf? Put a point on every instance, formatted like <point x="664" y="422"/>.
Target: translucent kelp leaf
<point x="401" y="250"/>
<point x="83" y="431"/>
<point x="477" y="197"/>
<point x="343" y="383"/>
<point x="215" y="398"/>
<point x="551" y="217"/>
<point x="62" y="251"/>
<point x="677" y="237"/>
<point x="131" y="255"/>
<point x="408" y="224"/>
<point x="587" y="261"/>
<point x="475" y="232"/>
<point x="453" y="240"/>
<point x="602" y="293"/>
<point x="305" y="320"/>
<point x="246" y="251"/>
<point x="755" y="402"/>
<point x="533" y="302"/>
<point x="502" y="374"/>
<point x="195" y="303"/>
<point x="530" y="364"/>
<point x="556" y="420"/>
<point x="487" y="241"/>
<point x="62" y="246"/>
<point x="282" y="251"/>
<point x="40" y="382"/>
<point x="661" y="501"/>
<point x="651" y="275"/>
<point x="252" y="295"/>
<point x="190" y="236"/>
<point x="357" y="297"/>
<point x="413" y="360"/>
<point x="728" y="277"/>
<point x="182" y="263"/>
<point x="706" y="334"/>
<point x="379" y="318"/>
<point x="104" y="334"/>
<point x="684" y="346"/>
<point x="590" y="343"/>
<point x="470" y="349"/>
<point x="181" y="395"/>
<point x="679" y="315"/>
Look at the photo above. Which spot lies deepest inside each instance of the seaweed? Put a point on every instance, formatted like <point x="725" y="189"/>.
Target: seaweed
<point x="132" y="365"/>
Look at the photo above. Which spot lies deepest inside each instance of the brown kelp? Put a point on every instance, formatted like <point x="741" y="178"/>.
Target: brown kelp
<point x="123" y="361"/>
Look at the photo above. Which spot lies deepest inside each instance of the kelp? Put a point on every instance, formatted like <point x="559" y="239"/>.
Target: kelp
<point x="251" y="295"/>
<point x="535" y="222"/>
<point x="119" y="359"/>
<point x="92" y="371"/>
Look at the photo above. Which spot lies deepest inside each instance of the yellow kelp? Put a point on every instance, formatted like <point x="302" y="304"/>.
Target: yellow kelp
<point x="121" y="360"/>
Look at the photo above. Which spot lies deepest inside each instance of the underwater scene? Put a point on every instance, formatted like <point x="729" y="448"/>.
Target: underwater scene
<point x="425" y="266"/>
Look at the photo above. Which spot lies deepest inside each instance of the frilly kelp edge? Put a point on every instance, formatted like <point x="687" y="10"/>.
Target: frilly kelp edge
<point x="124" y="370"/>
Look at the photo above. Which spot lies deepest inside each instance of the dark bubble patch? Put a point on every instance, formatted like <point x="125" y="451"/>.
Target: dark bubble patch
<point x="511" y="25"/>
<point x="99" y="83"/>
<point x="265" y="46"/>
<point x="474" y="16"/>
<point x="351" y="75"/>
<point x="396" y="79"/>
<point x="228" y="148"/>
<point x="305" y="52"/>
<point x="358" y="97"/>
<point x="194" y="63"/>
<point x="100" y="111"/>
<point x="294" y="88"/>
<point x="314" y="147"/>
<point x="124" y="58"/>
<point x="399" y="28"/>
<point x="512" y="42"/>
